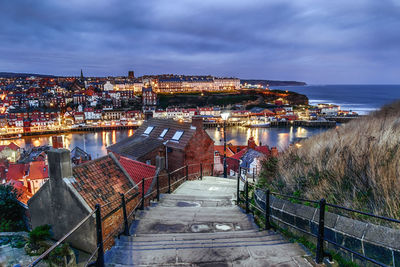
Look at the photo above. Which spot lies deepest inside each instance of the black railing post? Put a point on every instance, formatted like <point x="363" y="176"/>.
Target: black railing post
<point x="126" y="226"/>
<point x="100" y="253"/>
<point x="158" y="187"/>
<point x="169" y="183"/>
<point x="238" y="189"/>
<point x="187" y="172"/>
<point x="321" y="228"/>
<point x="201" y="171"/>
<point x="267" y="211"/>
<point x="253" y="176"/>
<point x="142" y="204"/>
<point x="247" y="196"/>
<point x="212" y="169"/>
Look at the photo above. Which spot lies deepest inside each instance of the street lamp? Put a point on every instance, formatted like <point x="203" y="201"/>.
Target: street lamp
<point x="225" y="117"/>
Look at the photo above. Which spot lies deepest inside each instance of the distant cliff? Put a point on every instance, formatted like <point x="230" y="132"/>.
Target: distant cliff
<point x="247" y="98"/>
<point x="22" y="75"/>
<point x="268" y="83"/>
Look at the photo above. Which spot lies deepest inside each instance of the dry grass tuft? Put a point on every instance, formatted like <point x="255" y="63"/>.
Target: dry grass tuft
<point x="355" y="165"/>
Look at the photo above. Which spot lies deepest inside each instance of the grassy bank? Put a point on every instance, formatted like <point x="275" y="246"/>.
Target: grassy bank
<point x="355" y="165"/>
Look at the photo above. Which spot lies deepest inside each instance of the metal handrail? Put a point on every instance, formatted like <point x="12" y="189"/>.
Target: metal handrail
<point x="91" y="256"/>
<point x="321" y="224"/>
<point x="364" y="213"/>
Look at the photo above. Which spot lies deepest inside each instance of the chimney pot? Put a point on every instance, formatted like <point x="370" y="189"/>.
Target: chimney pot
<point x="197" y="121"/>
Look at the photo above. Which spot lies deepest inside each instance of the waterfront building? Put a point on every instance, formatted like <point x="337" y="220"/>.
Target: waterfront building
<point x="329" y="109"/>
<point x="223" y="84"/>
<point x="184" y="84"/>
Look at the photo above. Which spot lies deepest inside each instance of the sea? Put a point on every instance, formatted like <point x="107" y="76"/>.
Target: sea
<point x="359" y="98"/>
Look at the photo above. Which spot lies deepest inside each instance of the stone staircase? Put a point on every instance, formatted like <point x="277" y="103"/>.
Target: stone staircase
<point x="199" y="225"/>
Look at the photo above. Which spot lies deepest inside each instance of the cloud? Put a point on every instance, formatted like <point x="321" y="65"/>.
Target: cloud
<point x="315" y="41"/>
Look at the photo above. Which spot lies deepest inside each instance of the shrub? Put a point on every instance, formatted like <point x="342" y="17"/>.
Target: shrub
<point x="11" y="212"/>
<point x="40" y="233"/>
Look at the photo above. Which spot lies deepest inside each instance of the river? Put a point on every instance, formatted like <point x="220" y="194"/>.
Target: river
<point x="96" y="143"/>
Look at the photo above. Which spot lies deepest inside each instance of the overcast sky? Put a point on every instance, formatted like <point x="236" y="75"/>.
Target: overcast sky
<point x="319" y="41"/>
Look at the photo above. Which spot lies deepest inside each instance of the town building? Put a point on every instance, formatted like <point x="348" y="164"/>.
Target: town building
<point x="11" y="152"/>
<point x="149" y="98"/>
<point x="181" y="143"/>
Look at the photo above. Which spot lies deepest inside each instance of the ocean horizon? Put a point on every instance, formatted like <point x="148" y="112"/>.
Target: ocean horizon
<point x="361" y="98"/>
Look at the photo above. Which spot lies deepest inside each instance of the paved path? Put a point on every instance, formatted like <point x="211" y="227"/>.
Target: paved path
<point x="199" y="225"/>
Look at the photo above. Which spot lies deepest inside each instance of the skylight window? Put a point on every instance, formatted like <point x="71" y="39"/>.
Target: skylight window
<point x="177" y="135"/>
<point x="164" y="132"/>
<point x="148" y="130"/>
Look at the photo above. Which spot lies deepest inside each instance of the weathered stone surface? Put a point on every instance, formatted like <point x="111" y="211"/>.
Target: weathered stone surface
<point x="330" y="219"/>
<point x="350" y="227"/>
<point x="388" y="237"/>
<point x="278" y="203"/>
<point x="378" y="253"/>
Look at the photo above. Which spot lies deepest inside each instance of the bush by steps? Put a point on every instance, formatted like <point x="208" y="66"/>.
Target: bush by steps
<point x="356" y="165"/>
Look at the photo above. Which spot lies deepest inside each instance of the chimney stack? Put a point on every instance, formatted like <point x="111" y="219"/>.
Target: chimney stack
<point x="274" y="151"/>
<point x="251" y="143"/>
<point x="148" y="114"/>
<point x="59" y="164"/>
<point x="160" y="163"/>
<point x="197" y="121"/>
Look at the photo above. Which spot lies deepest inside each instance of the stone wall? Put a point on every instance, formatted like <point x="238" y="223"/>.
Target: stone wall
<point x="374" y="241"/>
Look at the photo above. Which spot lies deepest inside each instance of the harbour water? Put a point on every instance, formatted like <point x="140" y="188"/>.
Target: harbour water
<point x="96" y="143"/>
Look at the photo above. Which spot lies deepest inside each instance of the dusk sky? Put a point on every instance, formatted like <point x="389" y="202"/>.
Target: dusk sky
<point x="319" y="42"/>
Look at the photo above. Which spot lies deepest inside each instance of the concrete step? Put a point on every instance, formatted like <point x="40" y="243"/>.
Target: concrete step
<point x="199" y="242"/>
<point x="190" y="213"/>
<point x="197" y="225"/>
<point x="196" y="236"/>
<point x="152" y="226"/>
<point x="259" y="254"/>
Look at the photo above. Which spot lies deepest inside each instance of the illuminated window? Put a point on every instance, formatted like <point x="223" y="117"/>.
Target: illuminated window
<point x="164" y="132"/>
<point x="148" y="130"/>
<point x="177" y="135"/>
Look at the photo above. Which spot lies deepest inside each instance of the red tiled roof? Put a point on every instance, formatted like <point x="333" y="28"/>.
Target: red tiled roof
<point x="138" y="170"/>
<point x="263" y="149"/>
<point x="240" y="154"/>
<point x="24" y="194"/>
<point x="220" y="149"/>
<point x="38" y="170"/>
<point x="16" y="171"/>
<point x="100" y="181"/>
<point x="13" y="146"/>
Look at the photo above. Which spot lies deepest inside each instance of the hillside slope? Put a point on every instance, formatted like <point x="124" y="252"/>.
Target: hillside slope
<point x="356" y="165"/>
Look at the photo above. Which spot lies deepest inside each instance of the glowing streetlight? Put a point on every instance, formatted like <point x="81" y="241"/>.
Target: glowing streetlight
<point x="225" y="116"/>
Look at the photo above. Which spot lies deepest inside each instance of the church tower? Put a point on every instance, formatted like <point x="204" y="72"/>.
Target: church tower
<point x="82" y="78"/>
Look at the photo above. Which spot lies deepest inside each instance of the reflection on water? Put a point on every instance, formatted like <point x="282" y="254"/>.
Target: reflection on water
<point x="96" y="143"/>
<point x="279" y="137"/>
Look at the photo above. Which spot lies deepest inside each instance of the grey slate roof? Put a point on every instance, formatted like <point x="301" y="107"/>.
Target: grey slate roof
<point x="248" y="158"/>
<point x="139" y="144"/>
